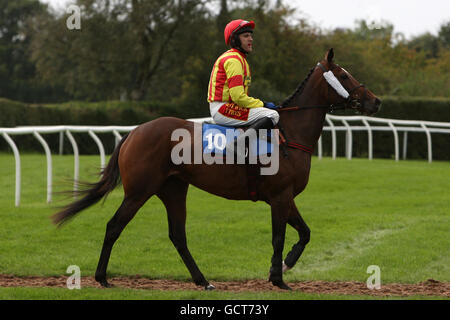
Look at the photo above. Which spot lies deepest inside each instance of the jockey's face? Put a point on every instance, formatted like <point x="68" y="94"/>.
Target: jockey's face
<point x="246" y="41"/>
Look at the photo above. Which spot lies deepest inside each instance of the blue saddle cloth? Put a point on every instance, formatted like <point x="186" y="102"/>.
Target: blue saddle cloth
<point x="215" y="138"/>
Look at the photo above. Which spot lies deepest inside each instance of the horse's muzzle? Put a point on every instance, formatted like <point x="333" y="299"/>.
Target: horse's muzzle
<point x="371" y="107"/>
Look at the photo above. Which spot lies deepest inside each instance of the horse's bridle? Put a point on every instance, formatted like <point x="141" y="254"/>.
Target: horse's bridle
<point x="351" y="102"/>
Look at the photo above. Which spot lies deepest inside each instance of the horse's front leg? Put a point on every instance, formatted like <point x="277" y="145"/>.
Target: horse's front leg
<point x="296" y="221"/>
<point x="280" y="213"/>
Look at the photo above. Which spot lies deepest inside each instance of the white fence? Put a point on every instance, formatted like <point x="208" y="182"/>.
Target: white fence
<point x="62" y="130"/>
<point x="369" y="125"/>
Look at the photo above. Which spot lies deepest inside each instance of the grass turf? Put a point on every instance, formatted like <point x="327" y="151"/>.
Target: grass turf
<point x="381" y="212"/>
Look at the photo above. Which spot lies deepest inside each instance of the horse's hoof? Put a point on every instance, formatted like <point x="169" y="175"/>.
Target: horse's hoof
<point x="210" y="287"/>
<point x="281" y="285"/>
<point x="105" y="284"/>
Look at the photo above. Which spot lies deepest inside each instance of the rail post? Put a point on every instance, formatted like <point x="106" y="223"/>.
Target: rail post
<point x="49" y="164"/>
<point x="18" y="167"/>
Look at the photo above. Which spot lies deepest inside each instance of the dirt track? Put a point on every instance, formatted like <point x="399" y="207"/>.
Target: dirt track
<point x="430" y="287"/>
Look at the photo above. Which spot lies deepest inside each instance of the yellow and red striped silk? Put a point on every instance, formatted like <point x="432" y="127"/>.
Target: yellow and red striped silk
<point x="230" y="80"/>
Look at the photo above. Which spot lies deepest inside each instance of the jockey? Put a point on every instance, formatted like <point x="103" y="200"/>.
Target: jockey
<point x="228" y="98"/>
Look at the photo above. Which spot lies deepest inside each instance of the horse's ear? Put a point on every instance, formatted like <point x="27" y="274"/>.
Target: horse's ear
<point x="329" y="55"/>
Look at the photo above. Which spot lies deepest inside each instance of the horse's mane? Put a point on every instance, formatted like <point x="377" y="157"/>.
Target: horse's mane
<point x="299" y="89"/>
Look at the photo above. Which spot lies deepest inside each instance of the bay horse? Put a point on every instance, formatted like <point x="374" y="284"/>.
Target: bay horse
<point x="142" y="163"/>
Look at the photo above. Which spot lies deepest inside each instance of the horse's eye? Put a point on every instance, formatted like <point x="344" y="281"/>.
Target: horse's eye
<point x="344" y="76"/>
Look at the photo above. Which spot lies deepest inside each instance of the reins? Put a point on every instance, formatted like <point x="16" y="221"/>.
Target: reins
<point x="331" y="107"/>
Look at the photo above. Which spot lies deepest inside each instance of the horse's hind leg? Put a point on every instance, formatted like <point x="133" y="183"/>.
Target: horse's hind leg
<point x="173" y="195"/>
<point x="114" y="228"/>
<point x="296" y="221"/>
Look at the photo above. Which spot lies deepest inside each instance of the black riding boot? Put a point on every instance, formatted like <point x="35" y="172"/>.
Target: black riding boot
<point x="263" y="123"/>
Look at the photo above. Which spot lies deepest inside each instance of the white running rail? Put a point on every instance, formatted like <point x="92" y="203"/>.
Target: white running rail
<point x="62" y="130"/>
<point x="371" y="124"/>
<point x="368" y="124"/>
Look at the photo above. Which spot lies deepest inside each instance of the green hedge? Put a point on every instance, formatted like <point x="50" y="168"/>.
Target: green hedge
<point x="82" y="113"/>
<point x="133" y="113"/>
<point x="415" y="108"/>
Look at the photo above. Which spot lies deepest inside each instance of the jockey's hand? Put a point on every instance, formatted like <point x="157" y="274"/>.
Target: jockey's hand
<point x="271" y="105"/>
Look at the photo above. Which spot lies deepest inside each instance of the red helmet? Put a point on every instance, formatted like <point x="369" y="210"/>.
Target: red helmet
<point x="235" y="25"/>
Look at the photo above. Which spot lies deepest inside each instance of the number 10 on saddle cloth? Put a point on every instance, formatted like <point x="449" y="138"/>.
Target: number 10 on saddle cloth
<point x="216" y="137"/>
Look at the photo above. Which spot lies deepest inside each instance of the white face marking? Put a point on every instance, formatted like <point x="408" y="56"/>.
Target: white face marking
<point x="335" y="84"/>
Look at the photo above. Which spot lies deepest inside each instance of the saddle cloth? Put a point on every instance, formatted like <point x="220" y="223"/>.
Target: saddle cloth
<point x="215" y="137"/>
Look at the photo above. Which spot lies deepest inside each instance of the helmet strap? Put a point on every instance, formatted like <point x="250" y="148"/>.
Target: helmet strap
<point x="236" y="44"/>
<point x="242" y="50"/>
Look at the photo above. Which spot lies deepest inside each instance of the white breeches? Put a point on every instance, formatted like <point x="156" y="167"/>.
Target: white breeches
<point x="254" y="114"/>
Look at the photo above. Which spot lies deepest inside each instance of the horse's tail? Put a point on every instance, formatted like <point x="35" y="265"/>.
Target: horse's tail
<point x="95" y="191"/>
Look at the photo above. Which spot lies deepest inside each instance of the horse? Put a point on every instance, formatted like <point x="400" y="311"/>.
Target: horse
<point x="141" y="162"/>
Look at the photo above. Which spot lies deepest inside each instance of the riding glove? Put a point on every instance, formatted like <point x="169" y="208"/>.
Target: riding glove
<point x="271" y="105"/>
